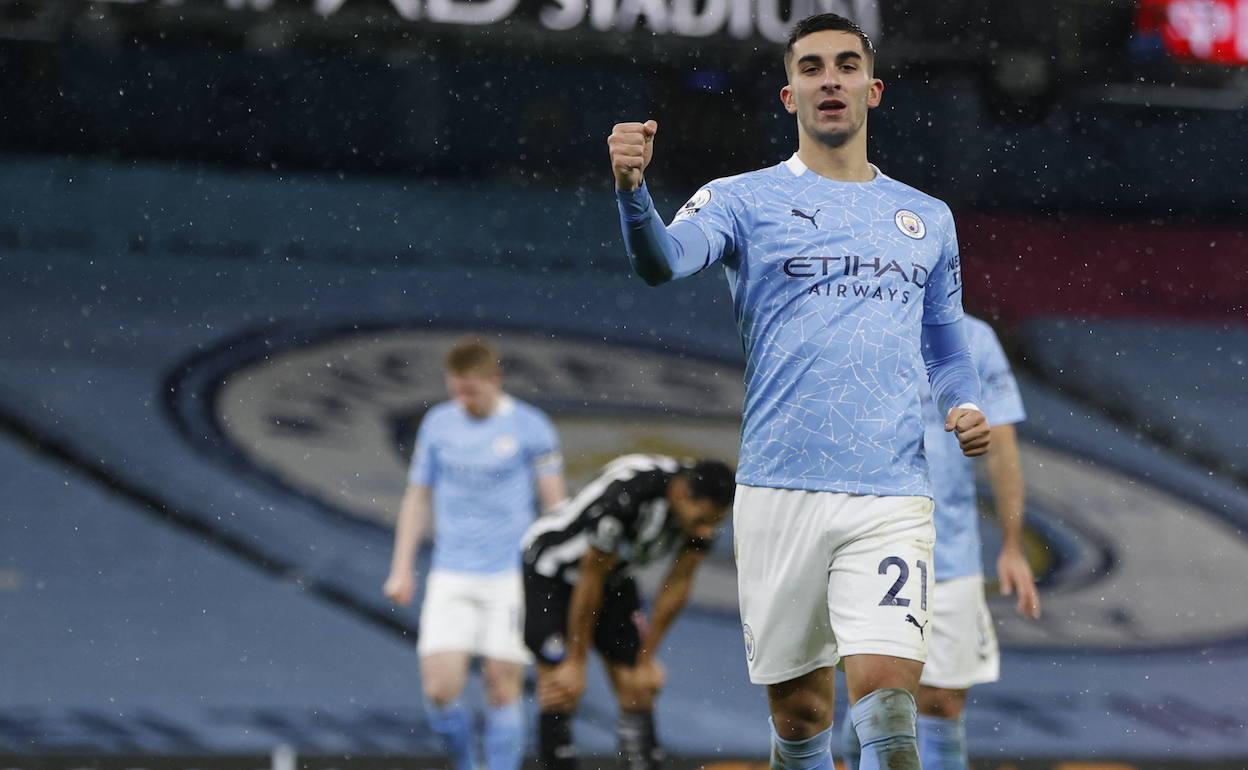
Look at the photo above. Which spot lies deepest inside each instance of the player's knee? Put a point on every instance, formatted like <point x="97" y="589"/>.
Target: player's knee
<point x="801" y="716"/>
<point x="502" y="690"/>
<point x="635" y="699"/>
<point x="939" y="702"/>
<point x="632" y="696"/>
<point x="439" y="696"/>
<point x="503" y="682"/>
<point x="440" y="691"/>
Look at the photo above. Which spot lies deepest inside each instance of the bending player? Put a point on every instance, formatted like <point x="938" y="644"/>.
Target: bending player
<point x="480" y="462"/>
<point x="838" y="274"/>
<point x="962" y="645"/>
<point x="579" y="591"/>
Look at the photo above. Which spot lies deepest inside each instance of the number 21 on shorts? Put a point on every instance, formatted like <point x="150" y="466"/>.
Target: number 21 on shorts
<point x="903" y="574"/>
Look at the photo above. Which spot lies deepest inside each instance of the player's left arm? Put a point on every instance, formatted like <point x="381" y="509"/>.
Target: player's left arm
<point x="552" y="491"/>
<point x="1004" y="402"/>
<point x="671" y="599"/>
<point x="547" y="461"/>
<point x="1005" y="474"/>
<point x="950" y="369"/>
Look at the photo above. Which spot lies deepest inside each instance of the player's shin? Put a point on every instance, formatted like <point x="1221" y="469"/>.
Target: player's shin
<point x="504" y="737"/>
<point x="885" y="723"/>
<point x="813" y="753"/>
<point x="452" y="723"/>
<point x="639" y="745"/>
<point x="555" y="741"/>
<point x="942" y="743"/>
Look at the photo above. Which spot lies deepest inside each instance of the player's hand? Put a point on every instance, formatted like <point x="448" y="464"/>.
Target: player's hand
<point x="971" y="428"/>
<point x="400" y="587"/>
<point x="631" y="145"/>
<point x="1014" y="574"/>
<point x="561" y="689"/>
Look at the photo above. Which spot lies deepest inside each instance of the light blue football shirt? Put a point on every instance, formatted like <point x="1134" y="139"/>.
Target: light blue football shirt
<point x="953" y="473"/>
<point x="483" y="474"/>
<point x="831" y="283"/>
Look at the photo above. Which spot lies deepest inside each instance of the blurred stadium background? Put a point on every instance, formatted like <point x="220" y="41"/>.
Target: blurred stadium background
<point x="237" y="235"/>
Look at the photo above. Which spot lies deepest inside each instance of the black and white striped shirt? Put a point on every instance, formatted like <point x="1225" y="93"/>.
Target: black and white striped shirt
<point x="624" y="511"/>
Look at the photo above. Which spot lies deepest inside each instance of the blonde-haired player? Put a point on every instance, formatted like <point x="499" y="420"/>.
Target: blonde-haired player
<point x="483" y="462"/>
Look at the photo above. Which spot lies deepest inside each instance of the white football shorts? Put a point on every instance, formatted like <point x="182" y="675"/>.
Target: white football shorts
<point x="821" y="575"/>
<point x="478" y="614"/>
<point x="962" y="651"/>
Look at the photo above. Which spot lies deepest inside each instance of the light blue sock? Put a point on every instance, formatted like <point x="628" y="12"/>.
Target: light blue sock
<point x="814" y="753"/>
<point x="884" y="721"/>
<point x="453" y="725"/>
<point x="850" y="746"/>
<point x="504" y="737"/>
<point x="942" y="743"/>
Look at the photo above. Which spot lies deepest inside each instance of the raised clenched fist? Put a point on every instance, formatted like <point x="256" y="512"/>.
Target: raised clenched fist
<point x="631" y="145"/>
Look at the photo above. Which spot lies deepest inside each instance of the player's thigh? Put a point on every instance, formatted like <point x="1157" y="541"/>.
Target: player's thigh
<point x="880" y="580"/>
<point x="451" y="617"/>
<point x="864" y="674"/>
<point x="621" y="624"/>
<point x="504" y="679"/>
<point x="783" y="547"/>
<point x="546" y="602"/>
<point x="500" y="636"/>
<point x="962" y="647"/>
<point x="443" y="675"/>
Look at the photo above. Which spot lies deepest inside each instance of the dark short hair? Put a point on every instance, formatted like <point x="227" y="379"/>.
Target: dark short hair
<point x="712" y="480"/>
<point x="822" y="22"/>
<point x="472" y="355"/>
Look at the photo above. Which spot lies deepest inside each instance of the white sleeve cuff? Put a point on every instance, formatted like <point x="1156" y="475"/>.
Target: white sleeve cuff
<point x="968" y="405"/>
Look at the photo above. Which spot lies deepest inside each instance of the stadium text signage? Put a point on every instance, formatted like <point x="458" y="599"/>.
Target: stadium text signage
<point x="1214" y="31"/>
<point x="740" y="19"/>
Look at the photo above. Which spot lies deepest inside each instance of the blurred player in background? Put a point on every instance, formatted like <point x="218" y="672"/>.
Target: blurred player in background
<point x="579" y="591"/>
<point x="483" y="462"/>
<point x="840" y="277"/>
<point x="962" y="645"/>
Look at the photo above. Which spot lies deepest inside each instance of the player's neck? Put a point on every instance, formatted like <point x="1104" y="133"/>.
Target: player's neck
<point x="490" y="408"/>
<point x="847" y="163"/>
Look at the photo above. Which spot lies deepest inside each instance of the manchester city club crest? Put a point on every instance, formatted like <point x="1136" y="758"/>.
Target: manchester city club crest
<point x="505" y="446"/>
<point x="910" y="224"/>
<point x="749" y="641"/>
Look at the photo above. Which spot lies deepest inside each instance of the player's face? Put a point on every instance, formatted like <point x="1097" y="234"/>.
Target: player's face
<point x="830" y="86"/>
<point x="699" y="517"/>
<point x="476" y="392"/>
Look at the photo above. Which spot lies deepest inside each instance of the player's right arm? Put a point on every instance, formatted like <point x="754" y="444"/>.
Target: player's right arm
<point x="587" y="600"/>
<point x="415" y="514"/>
<point x="410" y="529"/>
<point x="562" y="688"/>
<point x="1005" y="473"/>
<point x="658" y="254"/>
<point x="1004" y="464"/>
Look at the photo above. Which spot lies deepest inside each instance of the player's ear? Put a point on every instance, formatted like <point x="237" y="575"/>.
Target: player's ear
<point x="875" y="93"/>
<point x="679" y="489"/>
<point x="786" y="98"/>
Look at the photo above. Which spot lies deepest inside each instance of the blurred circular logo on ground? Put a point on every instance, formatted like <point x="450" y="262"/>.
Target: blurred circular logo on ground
<point x="332" y="416"/>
